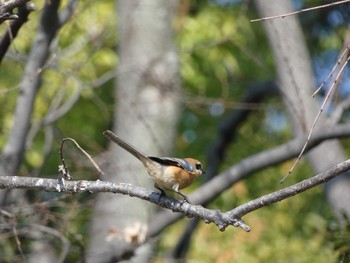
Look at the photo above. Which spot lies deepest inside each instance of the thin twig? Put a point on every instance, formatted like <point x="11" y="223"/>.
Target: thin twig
<point x="222" y="220"/>
<point x="65" y="244"/>
<point x="12" y="217"/>
<point x="332" y="71"/>
<point x="82" y="150"/>
<point x="317" y="117"/>
<point x="18" y="242"/>
<point x="299" y="11"/>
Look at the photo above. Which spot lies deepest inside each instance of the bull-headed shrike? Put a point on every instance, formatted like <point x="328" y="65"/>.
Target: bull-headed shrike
<point x="166" y="172"/>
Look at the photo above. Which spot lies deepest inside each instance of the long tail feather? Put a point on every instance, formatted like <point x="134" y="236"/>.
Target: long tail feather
<point x="126" y="146"/>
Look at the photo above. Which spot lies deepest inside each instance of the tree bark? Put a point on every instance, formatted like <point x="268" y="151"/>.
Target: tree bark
<point x="146" y="115"/>
<point x="294" y="70"/>
<point x="12" y="155"/>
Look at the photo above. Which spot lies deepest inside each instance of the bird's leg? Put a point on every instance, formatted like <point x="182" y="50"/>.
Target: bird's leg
<point x="176" y="189"/>
<point x="162" y="192"/>
<point x="183" y="196"/>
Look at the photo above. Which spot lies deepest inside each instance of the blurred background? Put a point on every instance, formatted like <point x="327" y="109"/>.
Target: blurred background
<point x="180" y="78"/>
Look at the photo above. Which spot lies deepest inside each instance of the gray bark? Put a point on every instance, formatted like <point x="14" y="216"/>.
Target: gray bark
<point x="12" y="155"/>
<point x="293" y="65"/>
<point x="146" y="115"/>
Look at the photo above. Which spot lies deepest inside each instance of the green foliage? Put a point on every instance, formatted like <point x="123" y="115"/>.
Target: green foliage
<point x="213" y="58"/>
<point x="338" y="235"/>
<point x="280" y="232"/>
<point x="217" y="64"/>
<point x="221" y="54"/>
<point x="82" y="53"/>
<point x="59" y="220"/>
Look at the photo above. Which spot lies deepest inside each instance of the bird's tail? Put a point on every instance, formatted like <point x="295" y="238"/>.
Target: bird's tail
<point x="126" y="146"/>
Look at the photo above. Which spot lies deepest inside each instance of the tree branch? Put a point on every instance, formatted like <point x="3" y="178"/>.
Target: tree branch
<point x="14" y="149"/>
<point x="12" y="31"/>
<point x="300" y="11"/>
<point x="6" y="9"/>
<point x="221" y="220"/>
<point x="226" y="135"/>
<point x="52" y="185"/>
<point x="67" y="13"/>
<point x="8" y="6"/>
<point x="205" y="193"/>
<point x="290" y="191"/>
<point x="228" y="127"/>
<point x="246" y="167"/>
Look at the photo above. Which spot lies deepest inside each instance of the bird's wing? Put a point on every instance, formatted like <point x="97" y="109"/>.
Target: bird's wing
<point x="174" y="162"/>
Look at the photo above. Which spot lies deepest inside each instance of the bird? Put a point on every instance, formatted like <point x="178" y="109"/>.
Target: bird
<point x="167" y="172"/>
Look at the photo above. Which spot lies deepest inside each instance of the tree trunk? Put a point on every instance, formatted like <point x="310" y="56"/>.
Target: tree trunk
<point x="146" y="115"/>
<point x="296" y="80"/>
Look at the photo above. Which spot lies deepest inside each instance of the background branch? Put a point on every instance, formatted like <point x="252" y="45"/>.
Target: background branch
<point x="299" y="11"/>
<point x="226" y="135"/>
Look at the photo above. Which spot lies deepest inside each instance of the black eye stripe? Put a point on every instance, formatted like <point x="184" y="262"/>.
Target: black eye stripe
<point x="198" y="166"/>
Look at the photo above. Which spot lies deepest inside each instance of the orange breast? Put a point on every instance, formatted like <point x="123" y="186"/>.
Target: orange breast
<point x="182" y="177"/>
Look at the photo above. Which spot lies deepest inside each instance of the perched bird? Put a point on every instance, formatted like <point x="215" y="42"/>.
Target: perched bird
<point x="166" y="172"/>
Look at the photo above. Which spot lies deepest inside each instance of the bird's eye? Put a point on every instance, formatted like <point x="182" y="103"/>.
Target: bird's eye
<point x="198" y="166"/>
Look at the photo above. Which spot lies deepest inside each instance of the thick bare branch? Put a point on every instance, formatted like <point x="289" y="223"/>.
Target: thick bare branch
<point x="246" y="167"/>
<point x="8" y="6"/>
<point x="291" y="190"/>
<point x="67" y="13"/>
<point x="13" y="29"/>
<point x="6" y="9"/>
<point x="206" y="192"/>
<point x="38" y="59"/>
<point x="52" y="185"/>
<point x="222" y="220"/>
<point x="14" y="149"/>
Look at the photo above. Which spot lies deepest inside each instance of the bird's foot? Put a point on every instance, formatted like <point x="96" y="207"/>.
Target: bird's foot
<point x="184" y="197"/>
